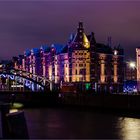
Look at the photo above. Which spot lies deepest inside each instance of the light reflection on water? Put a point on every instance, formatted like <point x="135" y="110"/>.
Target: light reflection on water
<point x="70" y="123"/>
<point x="129" y="128"/>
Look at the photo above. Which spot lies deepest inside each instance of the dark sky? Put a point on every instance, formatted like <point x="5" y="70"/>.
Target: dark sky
<point x="29" y="24"/>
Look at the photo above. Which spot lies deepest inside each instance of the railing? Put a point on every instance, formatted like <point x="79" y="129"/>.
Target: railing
<point x="28" y="79"/>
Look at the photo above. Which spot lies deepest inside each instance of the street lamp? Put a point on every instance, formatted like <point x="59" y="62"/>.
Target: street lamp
<point x="132" y="66"/>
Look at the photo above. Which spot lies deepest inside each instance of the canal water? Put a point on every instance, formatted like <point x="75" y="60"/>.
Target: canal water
<point x="69" y="123"/>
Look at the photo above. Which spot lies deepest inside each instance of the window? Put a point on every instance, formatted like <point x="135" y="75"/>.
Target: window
<point x="83" y="71"/>
<point x="80" y="65"/>
<point x="76" y="72"/>
<point x="81" y="78"/>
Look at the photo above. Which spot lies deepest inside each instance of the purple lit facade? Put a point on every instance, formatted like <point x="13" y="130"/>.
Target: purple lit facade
<point x="26" y="62"/>
<point x="81" y="64"/>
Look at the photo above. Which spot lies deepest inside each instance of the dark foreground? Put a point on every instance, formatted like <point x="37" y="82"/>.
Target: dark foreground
<point x="74" y="123"/>
<point x="79" y="116"/>
<point x="102" y="101"/>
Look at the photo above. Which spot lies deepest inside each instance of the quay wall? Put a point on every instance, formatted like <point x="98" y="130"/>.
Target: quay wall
<point x="112" y="101"/>
<point x="43" y="99"/>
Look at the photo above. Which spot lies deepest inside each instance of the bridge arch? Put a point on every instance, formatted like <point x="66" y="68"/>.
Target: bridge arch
<point x="32" y="81"/>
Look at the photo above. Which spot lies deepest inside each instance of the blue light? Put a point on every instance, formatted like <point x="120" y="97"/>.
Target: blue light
<point x="45" y="48"/>
<point x="27" y="52"/>
<point x="71" y="38"/>
<point x="58" y="47"/>
<point x="3" y="75"/>
<point x="33" y="87"/>
<point x="35" y="50"/>
<point x="130" y="86"/>
<point x="27" y="83"/>
<point x="12" y="77"/>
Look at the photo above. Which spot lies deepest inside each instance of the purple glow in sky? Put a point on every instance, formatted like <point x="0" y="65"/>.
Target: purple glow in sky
<point x="29" y="24"/>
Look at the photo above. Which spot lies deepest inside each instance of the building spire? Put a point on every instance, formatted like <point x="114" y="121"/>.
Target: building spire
<point x="109" y="41"/>
<point x="80" y="37"/>
<point x="92" y="38"/>
<point x="80" y="24"/>
<point x="80" y="29"/>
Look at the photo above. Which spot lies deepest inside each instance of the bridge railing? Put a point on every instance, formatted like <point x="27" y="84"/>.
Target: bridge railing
<point x="28" y="78"/>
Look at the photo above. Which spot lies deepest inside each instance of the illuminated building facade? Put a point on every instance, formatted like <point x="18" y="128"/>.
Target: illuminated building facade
<point x="36" y="66"/>
<point x="138" y="67"/>
<point x="130" y="77"/>
<point x="26" y="61"/>
<point x="82" y="63"/>
<point x="44" y="50"/>
<point x="108" y="70"/>
<point x="130" y="72"/>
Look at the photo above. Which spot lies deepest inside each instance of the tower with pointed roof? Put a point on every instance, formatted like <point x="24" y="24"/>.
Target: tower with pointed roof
<point x="80" y="40"/>
<point x="79" y="52"/>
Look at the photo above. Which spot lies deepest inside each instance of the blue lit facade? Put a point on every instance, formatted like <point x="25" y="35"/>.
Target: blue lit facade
<point x="130" y="86"/>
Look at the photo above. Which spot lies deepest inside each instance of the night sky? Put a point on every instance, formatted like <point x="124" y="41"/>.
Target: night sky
<point x="29" y="24"/>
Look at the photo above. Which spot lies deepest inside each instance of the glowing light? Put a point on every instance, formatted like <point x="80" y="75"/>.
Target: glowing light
<point x="33" y="87"/>
<point x="87" y="86"/>
<point x="13" y="110"/>
<point x="132" y="65"/>
<point x="129" y="127"/>
<point x="12" y="77"/>
<point x="130" y="86"/>
<point x="16" y="85"/>
<point x="17" y="105"/>
<point x="86" y="42"/>
<point x="115" y="52"/>
<point x="3" y="75"/>
<point x="102" y="78"/>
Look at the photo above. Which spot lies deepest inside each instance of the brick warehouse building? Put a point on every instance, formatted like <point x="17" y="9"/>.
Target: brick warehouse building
<point x="81" y="64"/>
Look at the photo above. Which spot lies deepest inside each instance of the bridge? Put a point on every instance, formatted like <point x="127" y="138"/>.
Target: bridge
<point x="15" y="79"/>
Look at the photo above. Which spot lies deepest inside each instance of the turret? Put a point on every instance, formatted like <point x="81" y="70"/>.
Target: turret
<point x="80" y="38"/>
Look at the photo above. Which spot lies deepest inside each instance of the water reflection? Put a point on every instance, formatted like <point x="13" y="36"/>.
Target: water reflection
<point x="129" y="128"/>
<point x="70" y="123"/>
